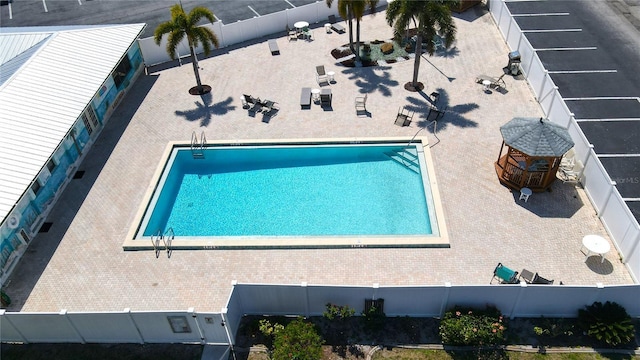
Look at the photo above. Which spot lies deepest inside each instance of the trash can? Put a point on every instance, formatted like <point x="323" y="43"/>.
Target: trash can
<point x="514" y="63"/>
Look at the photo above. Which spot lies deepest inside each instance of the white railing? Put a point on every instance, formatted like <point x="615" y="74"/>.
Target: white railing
<point x="618" y="220"/>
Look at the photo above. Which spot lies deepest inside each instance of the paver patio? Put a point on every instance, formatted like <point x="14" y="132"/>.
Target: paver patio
<point x="79" y="265"/>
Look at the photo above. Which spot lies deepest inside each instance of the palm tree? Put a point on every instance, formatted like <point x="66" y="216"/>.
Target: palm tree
<point x="350" y="10"/>
<point x="430" y="18"/>
<point x="183" y="24"/>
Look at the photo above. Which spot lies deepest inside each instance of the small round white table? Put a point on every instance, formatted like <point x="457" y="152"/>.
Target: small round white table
<point x="331" y="75"/>
<point x="595" y="244"/>
<point x="301" y="25"/>
<point x="316" y="94"/>
<point x="525" y="192"/>
<point x="485" y="85"/>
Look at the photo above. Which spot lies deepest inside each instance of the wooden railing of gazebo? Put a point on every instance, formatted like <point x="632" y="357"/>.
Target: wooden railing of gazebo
<point x="517" y="170"/>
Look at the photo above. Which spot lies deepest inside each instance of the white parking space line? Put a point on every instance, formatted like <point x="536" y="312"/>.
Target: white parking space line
<point x="80" y="2"/>
<point x="44" y="3"/>
<point x="581" y="71"/>
<point x="255" y="12"/>
<point x="608" y="120"/>
<point x="10" y="12"/>
<point x="287" y="1"/>
<point x="618" y="155"/>
<point x="630" y="199"/>
<point x="567" y="48"/>
<point x="604" y="98"/>
<point x="551" y="30"/>
<point x="541" y="14"/>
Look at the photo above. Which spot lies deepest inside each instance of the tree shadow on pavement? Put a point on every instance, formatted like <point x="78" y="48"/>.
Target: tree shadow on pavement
<point x="204" y="110"/>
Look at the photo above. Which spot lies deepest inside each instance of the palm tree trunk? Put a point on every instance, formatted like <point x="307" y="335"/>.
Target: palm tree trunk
<point x="194" y="62"/>
<point x="350" y="23"/>
<point x="416" y="63"/>
<point x="357" y="40"/>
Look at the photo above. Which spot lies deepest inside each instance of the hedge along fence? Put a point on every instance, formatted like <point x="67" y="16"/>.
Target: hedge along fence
<point x="618" y="220"/>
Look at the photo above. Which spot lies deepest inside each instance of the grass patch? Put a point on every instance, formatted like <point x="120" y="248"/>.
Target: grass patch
<point x="420" y="354"/>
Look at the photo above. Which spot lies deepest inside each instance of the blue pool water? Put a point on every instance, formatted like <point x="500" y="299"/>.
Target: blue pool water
<point x="289" y="191"/>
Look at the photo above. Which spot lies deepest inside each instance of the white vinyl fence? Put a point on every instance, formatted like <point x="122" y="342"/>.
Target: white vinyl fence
<point x="115" y="327"/>
<point x="520" y="300"/>
<point x="618" y="220"/>
<point x="245" y="30"/>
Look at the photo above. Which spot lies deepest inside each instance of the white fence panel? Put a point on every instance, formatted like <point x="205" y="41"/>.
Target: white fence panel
<point x="44" y="327"/>
<point x="236" y="33"/>
<point x="158" y="327"/>
<point x="537" y="75"/>
<point x="108" y="327"/>
<point x="352" y="296"/>
<point x="554" y="301"/>
<point x="596" y="183"/>
<point x="513" y="34"/>
<point x="413" y="301"/>
<point x="272" y="299"/>
<point x="503" y="297"/>
<point x="625" y="295"/>
<point x="527" y="55"/>
<point x="213" y="328"/>
<point x="559" y="111"/>
<point x="235" y="312"/>
<point x="8" y="332"/>
<point x="270" y="24"/>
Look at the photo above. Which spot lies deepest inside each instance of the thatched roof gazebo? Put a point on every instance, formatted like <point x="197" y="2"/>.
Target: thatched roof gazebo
<point x="534" y="149"/>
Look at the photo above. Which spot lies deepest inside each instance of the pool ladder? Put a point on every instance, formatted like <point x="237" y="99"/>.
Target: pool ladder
<point x="406" y="158"/>
<point x="165" y="238"/>
<point x="197" y="147"/>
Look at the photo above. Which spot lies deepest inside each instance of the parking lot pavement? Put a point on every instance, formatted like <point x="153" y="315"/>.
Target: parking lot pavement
<point x="93" y="12"/>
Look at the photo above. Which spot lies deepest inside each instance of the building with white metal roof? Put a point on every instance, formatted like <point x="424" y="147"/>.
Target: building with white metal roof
<point x="58" y="86"/>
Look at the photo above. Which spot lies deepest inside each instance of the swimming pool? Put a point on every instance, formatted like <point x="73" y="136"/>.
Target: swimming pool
<point x="294" y="194"/>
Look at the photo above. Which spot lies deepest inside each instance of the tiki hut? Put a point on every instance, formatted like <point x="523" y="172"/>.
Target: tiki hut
<point x="531" y="152"/>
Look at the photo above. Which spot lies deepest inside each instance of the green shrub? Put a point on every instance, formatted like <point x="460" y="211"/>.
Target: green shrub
<point x="269" y="331"/>
<point x="608" y="323"/>
<point x="464" y="326"/>
<point x="338" y="312"/>
<point x="553" y="328"/>
<point x="373" y="319"/>
<point x="299" y="340"/>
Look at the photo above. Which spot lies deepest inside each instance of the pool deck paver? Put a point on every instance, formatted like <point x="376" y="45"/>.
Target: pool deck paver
<point x="79" y="265"/>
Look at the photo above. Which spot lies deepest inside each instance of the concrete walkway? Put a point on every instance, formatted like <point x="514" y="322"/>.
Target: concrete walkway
<point x="80" y="265"/>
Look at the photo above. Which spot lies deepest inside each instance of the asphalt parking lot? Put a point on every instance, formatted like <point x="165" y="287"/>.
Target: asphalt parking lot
<point x="592" y="56"/>
<point x="98" y="12"/>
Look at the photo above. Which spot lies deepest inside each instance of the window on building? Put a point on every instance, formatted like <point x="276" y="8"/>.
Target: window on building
<point x="51" y="165"/>
<point x="87" y="124"/>
<point x="36" y="187"/>
<point x="121" y="71"/>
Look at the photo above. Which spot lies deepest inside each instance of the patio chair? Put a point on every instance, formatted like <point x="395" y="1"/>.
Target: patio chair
<point x="337" y="27"/>
<point x="496" y="83"/>
<point x="504" y="275"/>
<point x="306" y="33"/>
<point x="571" y="175"/>
<point x="568" y="160"/>
<point x="269" y="106"/>
<point x="252" y="103"/>
<point x="537" y="279"/>
<point x="325" y="98"/>
<point x="438" y="43"/>
<point x="291" y="33"/>
<point x="321" y="75"/>
<point x="361" y="103"/>
<point x="404" y="117"/>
